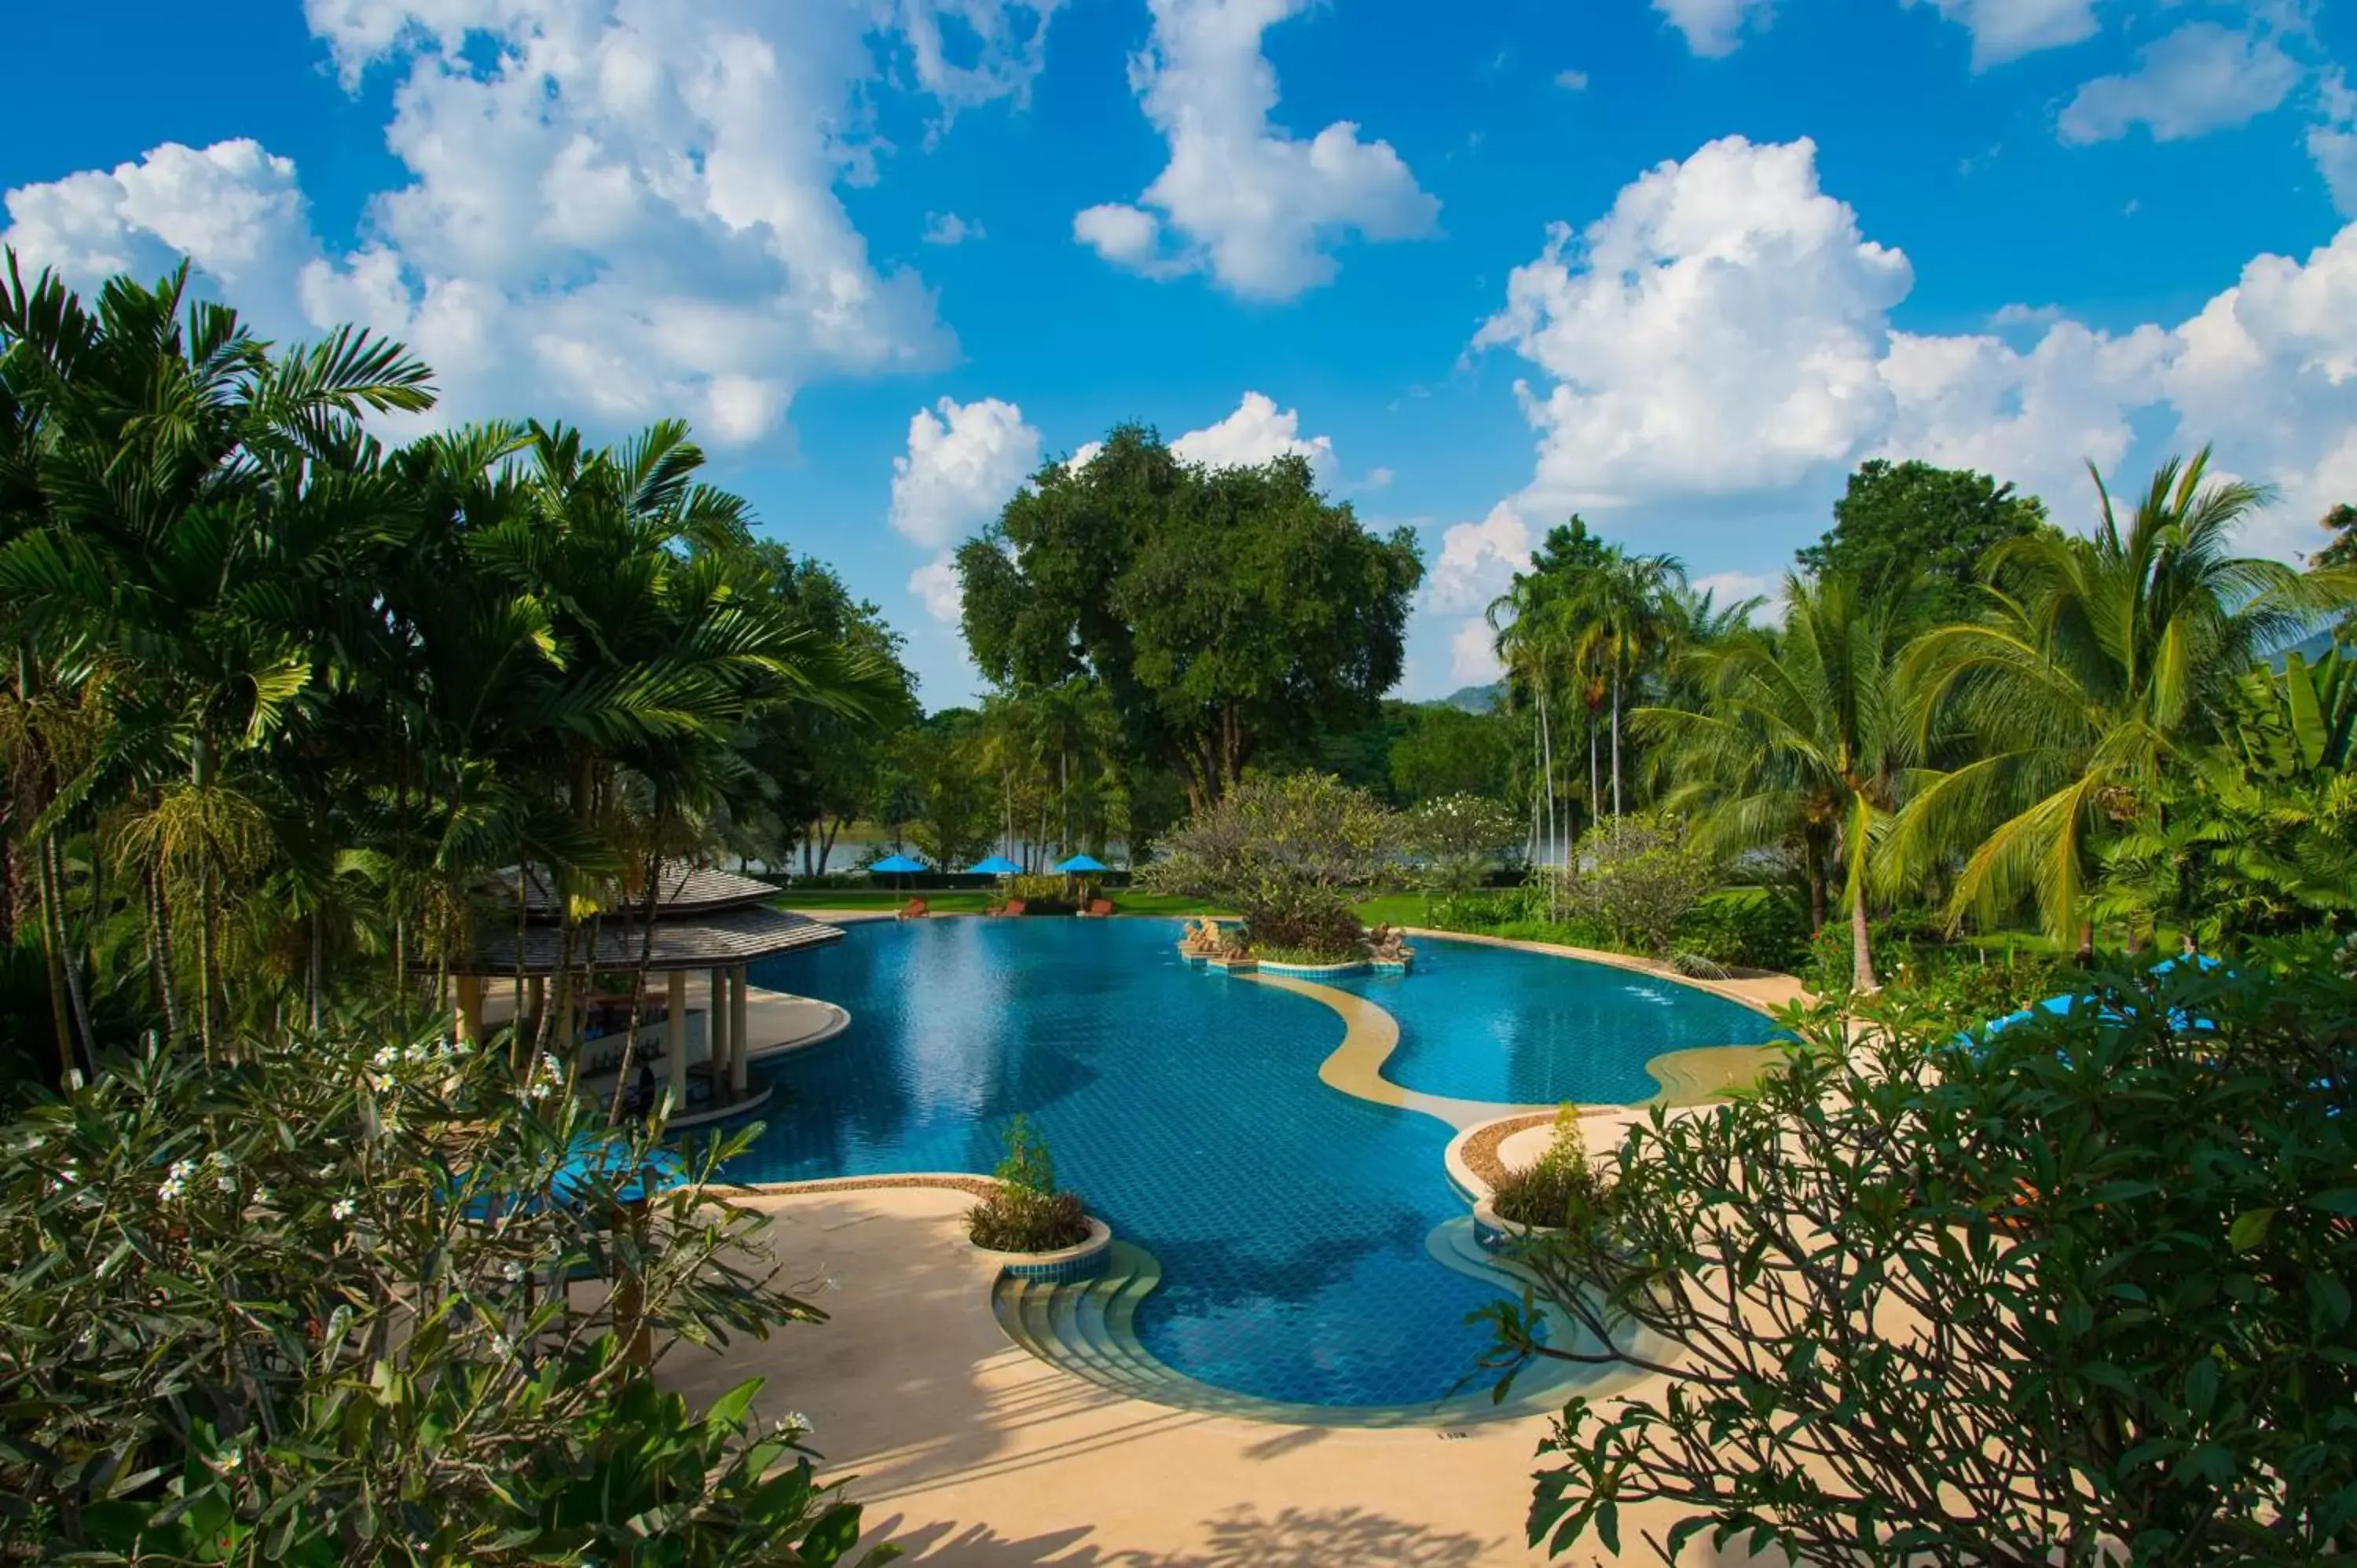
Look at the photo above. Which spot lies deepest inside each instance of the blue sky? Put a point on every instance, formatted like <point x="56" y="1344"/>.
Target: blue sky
<point x="1678" y="265"/>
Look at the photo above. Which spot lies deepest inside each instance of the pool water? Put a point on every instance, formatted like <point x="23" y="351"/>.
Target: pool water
<point x="1290" y="1219"/>
<point x="1478" y="1022"/>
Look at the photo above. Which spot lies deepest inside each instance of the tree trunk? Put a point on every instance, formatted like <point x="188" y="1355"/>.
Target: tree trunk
<point x="638" y="971"/>
<point x="54" y="955"/>
<point x="1595" y="779"/>
<point x="1861" y="951"/>
<point x="1538" y="772"/>
<point x="1616" y="742"/>
<point x="1816" y="891"/>
<point x="1546" y="765"/>
<point x="2086" y="950"/>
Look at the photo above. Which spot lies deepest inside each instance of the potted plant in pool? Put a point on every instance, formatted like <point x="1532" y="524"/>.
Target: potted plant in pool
<point x="1027" y="1214"/>
<point x="1562" y="1188"/>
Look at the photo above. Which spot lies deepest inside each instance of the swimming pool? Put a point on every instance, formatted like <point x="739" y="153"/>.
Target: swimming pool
<point x="1478" y="1022"/>
<point x="1291" y="1220"/>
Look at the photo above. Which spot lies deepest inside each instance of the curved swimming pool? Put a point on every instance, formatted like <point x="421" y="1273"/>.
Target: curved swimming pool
<point x="1480" y="1022"/>
<point x="1181" y="1105"/>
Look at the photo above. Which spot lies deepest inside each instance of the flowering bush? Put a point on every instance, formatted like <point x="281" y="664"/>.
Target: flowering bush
<point x="1292" y="856"/>
<point x="340" y="1304"/>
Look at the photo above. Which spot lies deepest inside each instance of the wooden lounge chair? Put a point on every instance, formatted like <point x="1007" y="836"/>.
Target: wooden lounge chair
<point x="1012" y="907"/>
<point x="1098" y="909"/>
<point x="914" y="910"/>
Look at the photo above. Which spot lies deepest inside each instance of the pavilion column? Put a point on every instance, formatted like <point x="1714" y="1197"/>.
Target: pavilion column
<point x="675" y="1037"/>
<point x="535" y="1004"/>
<point x="470" y="1009"/>
<point x="737" y="1030"/>
<point x="715" y="1028"/>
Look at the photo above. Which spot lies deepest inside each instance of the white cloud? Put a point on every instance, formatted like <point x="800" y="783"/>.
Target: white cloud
<point x="1712" y="26"/>
<point x="1571" y="80"/>
<point x="949" y="229"/>
<point x="935" y="585"/>
<point x="1377" y="477"/>
<point x="2008" y="30"/>
<point x="1727" y="588"/>
<point x="959" y="468"/>
<point x="1719" y="329"/>
<point x="234" y="209"/>
<point x="2332" y="142"/>
<point x="614" y="208"/>
<point x="1007" y="44"/>
<point x="2025" y="315"/>
<point x="1241" y="198"/>
<point x="1477" y="560"/>
<point x="1473" y="654"/>
<point x="1254" y="434"/>
<point x="2199" y="78"/>
<point x="1725" y="330"/>
<point x="1083" y="457"/>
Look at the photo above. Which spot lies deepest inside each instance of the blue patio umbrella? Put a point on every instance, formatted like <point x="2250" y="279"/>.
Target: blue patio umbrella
<point x="898" y="865"/>
<point x="1081" y="863"/>
<point x="997" y="865"/>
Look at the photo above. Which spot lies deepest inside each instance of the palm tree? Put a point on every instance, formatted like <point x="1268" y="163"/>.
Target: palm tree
<point x="1626" y="612"/>
<point x="1800" y="737"/>
<point x="2103" y="658"/>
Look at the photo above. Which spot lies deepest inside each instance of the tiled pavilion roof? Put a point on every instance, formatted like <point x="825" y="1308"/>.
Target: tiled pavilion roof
<point x="702" y="919"/>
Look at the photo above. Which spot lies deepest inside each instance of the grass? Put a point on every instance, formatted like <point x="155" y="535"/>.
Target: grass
<point x="973" y="901"/>
<point x="1394" y="909"/>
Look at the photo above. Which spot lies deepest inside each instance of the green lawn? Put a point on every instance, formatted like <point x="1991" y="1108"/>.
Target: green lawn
<point x="972" y="902"/>
<point x="1399" y="910"/>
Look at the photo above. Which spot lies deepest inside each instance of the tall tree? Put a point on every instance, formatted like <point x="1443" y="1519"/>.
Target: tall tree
<point x="1447" y="751"/>
<point x="1923" y="529"/>
<point x="2341" y="523"/>
<point x="2106" y="656"/>
<point x="1801" y="738"/>
<point x="1219" y="610"/>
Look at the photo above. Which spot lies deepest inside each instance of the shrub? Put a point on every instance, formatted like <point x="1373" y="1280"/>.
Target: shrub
<point x="1752" y="927"/>
<point x="1457" y="839"/>
<point x="302" y="1310"/>
<point x="2075" y="1292"/>
<point x="1027" y="1214"/>
<point x="1560" y="1187"/>
<point x="1638" y="876"/>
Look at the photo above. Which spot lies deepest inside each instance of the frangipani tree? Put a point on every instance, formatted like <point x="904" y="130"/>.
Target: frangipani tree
<point x="1292" y="856"/>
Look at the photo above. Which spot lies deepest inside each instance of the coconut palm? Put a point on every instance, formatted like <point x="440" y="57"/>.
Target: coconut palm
<point x="2102" y="660"/>
<point x="1799" y="739"/>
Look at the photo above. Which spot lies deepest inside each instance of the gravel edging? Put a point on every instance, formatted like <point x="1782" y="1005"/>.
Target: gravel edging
<point x="975" y="1185"/>
<point x="1479" y="1151"/>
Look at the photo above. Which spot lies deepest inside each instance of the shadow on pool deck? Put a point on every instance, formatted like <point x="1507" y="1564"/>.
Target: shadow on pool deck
<point x="1239" y="1538"/>
<point x="967" y="1450"/>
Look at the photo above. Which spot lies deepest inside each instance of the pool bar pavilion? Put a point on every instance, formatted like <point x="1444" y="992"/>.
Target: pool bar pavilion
<point x="707" y="926"/>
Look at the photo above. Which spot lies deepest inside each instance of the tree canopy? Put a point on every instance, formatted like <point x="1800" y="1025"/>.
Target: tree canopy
<point x="1222" y="610"/>
<point x="1912" y="529"/>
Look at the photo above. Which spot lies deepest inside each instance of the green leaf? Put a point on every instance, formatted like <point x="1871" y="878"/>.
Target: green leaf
<point x="2250" y="1229"/>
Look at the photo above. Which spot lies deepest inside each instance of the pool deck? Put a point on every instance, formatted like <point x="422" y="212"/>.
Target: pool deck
<point x="969" y="1452"/>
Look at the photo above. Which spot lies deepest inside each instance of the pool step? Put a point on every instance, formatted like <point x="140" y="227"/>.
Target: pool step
<point x="1087" y="1327"/>
<point x="1084" y="1325"/>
